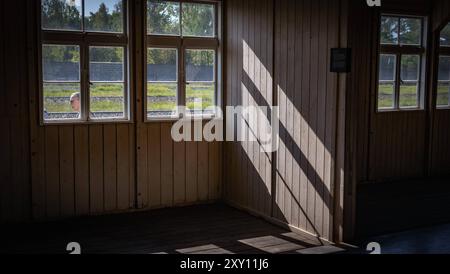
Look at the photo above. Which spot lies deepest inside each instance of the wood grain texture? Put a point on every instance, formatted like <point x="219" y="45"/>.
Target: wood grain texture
<point x="306" y="95"/>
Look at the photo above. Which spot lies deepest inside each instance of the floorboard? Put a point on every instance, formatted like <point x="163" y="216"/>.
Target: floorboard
<point x="208" y="229"/>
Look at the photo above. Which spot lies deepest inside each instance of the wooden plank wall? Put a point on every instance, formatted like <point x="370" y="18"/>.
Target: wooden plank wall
<point x="298" y="36"/>
<point x="384" y="146"/>
<point x="394" y="145"/>
<point x="57" y="171"/>
<point x="440" y="138"/>
<point x="176" y="173"/>
<point x="14" y="138"/>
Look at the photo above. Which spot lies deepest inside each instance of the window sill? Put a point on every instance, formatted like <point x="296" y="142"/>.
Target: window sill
<point x="402" y="110"/>
<point x="206" y="118"/>
<point x="83" y="123"/>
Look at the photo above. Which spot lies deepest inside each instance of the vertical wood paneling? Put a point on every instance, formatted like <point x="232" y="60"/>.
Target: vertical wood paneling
<point x="154" y="164"/>
<point x="82" y="167"/>
<point x="96" y="172"/>
<point x="306" y="94"/>
<point x="15" y="169"/>
<point x="123" y="167"/>
<point x="166" y="166"/>
<point x="202" y="166"/>
<point x="191" y="172"/>
<point x="179" y="172"/>
<point x="52" y="172"/>
<point x="213" y="171"/>
<point x="110" y="167"/>
<point x="65" y="170"/>
<point x="67" y="176"/>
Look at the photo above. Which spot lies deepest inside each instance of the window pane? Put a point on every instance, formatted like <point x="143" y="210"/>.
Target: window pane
<point x="200" y="89"/>
<point x="162" y="65"/>
<point x="103" y="15"/>
<point x="163" y="17"/>
<point x="61" y="63"/>
<point x="410" y="31"/>
<point x="106" y="64"/>
<point x="385" y="95"/>
<point x="389" y="30"/>
<point x="200" y="96"/>
<point x="443" y="94"/>
<point x="61" y="14"/>
<point x="198" y="20"/>
<point x="107" y="89"/>
<point x="61" y="101"/>
<point x="162" y="78"/>
<point x="387" y="67"/>
<point x="200" y="65"/>
<point x="107" y="100"/>
<point x="386" y="85"/>
<point x="408" y="94"/>
<point x="445" y="36"/>
<point x="161" y="99"/>
<point x="443" y="89"/>
<point x="444" y="68"/>
<point x="410" y="69"/>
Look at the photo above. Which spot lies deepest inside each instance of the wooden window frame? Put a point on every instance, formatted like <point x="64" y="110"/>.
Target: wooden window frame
<point x="183" y="43"/>
<point x="86" y="39"/>
<point x="399" y="50"/>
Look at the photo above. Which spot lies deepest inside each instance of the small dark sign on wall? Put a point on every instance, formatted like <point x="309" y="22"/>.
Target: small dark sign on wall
<point x="340" y="60"/>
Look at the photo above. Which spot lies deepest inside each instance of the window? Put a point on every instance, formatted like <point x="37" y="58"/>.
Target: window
<point x="401" y="63"/>
<point x="443" y="86"/>
<point x="182" y="59"/>
<point x="84" y="60"/>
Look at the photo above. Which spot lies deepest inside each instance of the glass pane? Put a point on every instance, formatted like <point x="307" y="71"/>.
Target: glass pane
<point x="162" y="65"/>
<point x="410" y="31"/>
<point x="107" y="100"/>
<point x="200" y="89"/>
<point x="198" y="20"/>
<point x="389" y="30"/>
<point x="162" y="78"/>
<point x="163" y="17"/>
<point x="387" y="67"/>
<point x="61" y="63"/>
<point x="103" y="15"/>
<point x="408" y="94"/>
<point x="61" y="14"/>
<point x="443" y="94"/>
<point x="200" y="65"/>
<point x="444" y="68"/>
<point x="385" y="95"/>
<point x="410" y="67"/>
<point x="61" y="101"/>
<point x="106" y="64"/>
<point x="200" y="96"/>
<point x="161" y="99"/>
<point x="445" y="36"/>
<point x="107" y="90"/>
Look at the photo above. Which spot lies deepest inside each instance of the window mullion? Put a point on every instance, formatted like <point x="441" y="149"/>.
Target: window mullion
<point x="397" y="81"/>
<point x="181" y="77"/>
<point x="85" y="106"/>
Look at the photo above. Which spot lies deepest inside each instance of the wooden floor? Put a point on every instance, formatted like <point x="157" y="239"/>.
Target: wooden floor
<point x="385" y="208"/>
<point x="428" y="240"/>
<point x="209" y="229"/>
